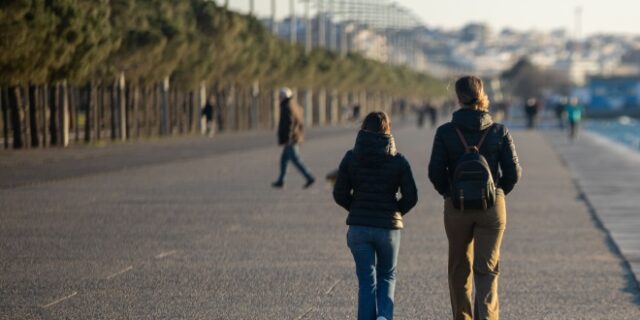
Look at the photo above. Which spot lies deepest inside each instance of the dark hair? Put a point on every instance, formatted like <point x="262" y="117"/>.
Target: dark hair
<point x="470" y="91"/>
<point x="377" y="122"/>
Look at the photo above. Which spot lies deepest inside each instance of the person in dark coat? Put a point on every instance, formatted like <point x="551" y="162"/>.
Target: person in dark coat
<point x="291" y="135"/>
<point x="532" y="110"/>
<point x="209" y="114"/>
<point x="369" y="177"/>
<point x="474" y="235"/>
<point x="433" y="114"/>
<point x="561" y="110"/>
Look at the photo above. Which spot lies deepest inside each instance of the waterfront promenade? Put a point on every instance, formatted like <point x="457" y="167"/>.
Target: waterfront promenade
<point x="607" y="174"/>
<point x="189" y="228"/>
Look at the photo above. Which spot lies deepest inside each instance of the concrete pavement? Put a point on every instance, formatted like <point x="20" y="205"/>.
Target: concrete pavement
<point x="608" y="175"/>
<point x="205" y="237"/>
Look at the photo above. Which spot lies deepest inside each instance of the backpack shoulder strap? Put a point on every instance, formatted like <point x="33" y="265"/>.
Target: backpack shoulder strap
<point x="475" y="148"/>
<point x="462" y="139"/>
<point x="484" y="135"/>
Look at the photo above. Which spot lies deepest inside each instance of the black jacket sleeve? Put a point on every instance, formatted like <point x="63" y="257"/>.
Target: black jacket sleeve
<point x="438" y="171"/>
<point x="284" y="125"/>
<point x="408" y="189"/>
<point x="343" y="187"/>
<point x="509" y="164"/>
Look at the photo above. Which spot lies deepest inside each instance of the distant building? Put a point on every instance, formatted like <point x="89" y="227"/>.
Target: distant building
<point x="475" y="32"/>
<point x="614" y="93"/>
<point x="577" y="69"/>
<point x="370" y="44"/>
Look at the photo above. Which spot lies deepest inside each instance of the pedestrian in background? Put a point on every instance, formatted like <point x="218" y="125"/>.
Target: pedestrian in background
<point x="474" y="229"/>
<point x="532" y="109"/>
<point x="291" y="135"/>
<point x="369" y="177"/>
<point x="561" y="111"/>
<point x="210" y="115"/>
<point x="574" y="111"/>
<point x="433" y="114"/>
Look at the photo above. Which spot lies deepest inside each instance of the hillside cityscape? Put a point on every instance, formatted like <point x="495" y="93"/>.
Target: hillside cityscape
<point x="603" y="69"/>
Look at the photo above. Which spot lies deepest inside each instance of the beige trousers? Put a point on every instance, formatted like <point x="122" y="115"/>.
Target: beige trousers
<point x="475" y="237"/>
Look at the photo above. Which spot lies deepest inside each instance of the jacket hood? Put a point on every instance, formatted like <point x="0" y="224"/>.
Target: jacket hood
<point x="372" y="148"/>
<point x="472" y="120"/>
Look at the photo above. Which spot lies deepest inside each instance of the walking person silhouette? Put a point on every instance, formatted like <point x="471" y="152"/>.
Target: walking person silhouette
<point x="369" y="177"/>
<point x="291" y="135"/>
<point x="474" y="180"/>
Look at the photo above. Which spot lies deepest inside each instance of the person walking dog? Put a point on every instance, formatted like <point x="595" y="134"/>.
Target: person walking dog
<point x="474" y="165"/>
<point x="368" y="180"/>
<point x="291" y="135"/>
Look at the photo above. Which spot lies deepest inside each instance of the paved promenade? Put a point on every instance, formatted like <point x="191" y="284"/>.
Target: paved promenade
<point x="190" y="229"/>
<point x="608" y="174"/>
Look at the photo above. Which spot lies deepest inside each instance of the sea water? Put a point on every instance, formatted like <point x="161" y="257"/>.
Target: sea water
<point x="624" y="130"/>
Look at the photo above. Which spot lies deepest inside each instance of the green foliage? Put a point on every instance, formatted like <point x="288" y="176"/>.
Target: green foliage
<point x="190" y="41"/>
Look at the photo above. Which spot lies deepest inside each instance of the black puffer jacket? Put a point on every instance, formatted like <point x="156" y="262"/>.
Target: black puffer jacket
<point x="368" y="180"/>
<point x="498" y="148"/>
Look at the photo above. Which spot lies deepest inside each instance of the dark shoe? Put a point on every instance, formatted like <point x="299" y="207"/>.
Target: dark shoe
<point x="278" y="184"/>
<point x="309" y="183"/>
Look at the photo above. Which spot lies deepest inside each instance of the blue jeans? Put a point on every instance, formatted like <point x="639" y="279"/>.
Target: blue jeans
<point x="290" y="153"/>
<point x="375" y="251"/>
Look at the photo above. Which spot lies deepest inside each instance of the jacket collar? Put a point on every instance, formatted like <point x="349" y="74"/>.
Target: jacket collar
<point x="472" y="120"/>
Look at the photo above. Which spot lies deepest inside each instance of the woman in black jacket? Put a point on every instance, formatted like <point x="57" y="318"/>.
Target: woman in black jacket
<point x="367" y="185"/>
<point x="475" y="235"/>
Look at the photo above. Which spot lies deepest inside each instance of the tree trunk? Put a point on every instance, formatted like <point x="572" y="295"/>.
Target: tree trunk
<point x="16" y="123"/>
<point x="164" y="107"/>
<point x="23" y="107"/>
<point x="89" y="111"/>
<point x="157" y="118"/>
<point x="179" y="106"/>
<point x="33" y="120"/>
<point x="203" y="98"/>
<point x="99" y="111"/>
<point x="64" y="114"/>
<point x="221" y="106"/>
<point x="53" y="114"/>
<point x="191" y="122"/>
<point x="122" y="108"/>
<point x="135" y="113"/>
<point x="322" y="107"/>
<point x="146" y="113"/>
<point x="74" y="105"/>
<point x="231" y="107"/>
<point x="238" y="107"/>
<point x="113" y="92"/>
<point x="44" y="118"/>
<point x="189" y="118"/>
<point x="334" y="108"/>
<point x="308" y="108"/>
<point x="5" y="119"/>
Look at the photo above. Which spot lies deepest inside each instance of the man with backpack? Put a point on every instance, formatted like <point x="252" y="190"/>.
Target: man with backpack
<point x="473" y="166"/>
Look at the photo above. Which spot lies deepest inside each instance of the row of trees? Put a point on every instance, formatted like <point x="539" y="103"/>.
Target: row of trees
<point x="122" y="69"/>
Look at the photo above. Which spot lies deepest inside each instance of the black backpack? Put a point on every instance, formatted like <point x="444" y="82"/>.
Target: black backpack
<point x="472" y="186"/>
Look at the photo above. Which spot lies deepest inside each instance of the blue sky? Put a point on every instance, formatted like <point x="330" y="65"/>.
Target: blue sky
<point x="617" y="16"/>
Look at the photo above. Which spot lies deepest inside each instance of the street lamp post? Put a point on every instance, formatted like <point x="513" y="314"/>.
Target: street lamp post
<point x="274" y="26"/>
<point x="307" y="28"/>
<point x="293" y="24"/>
